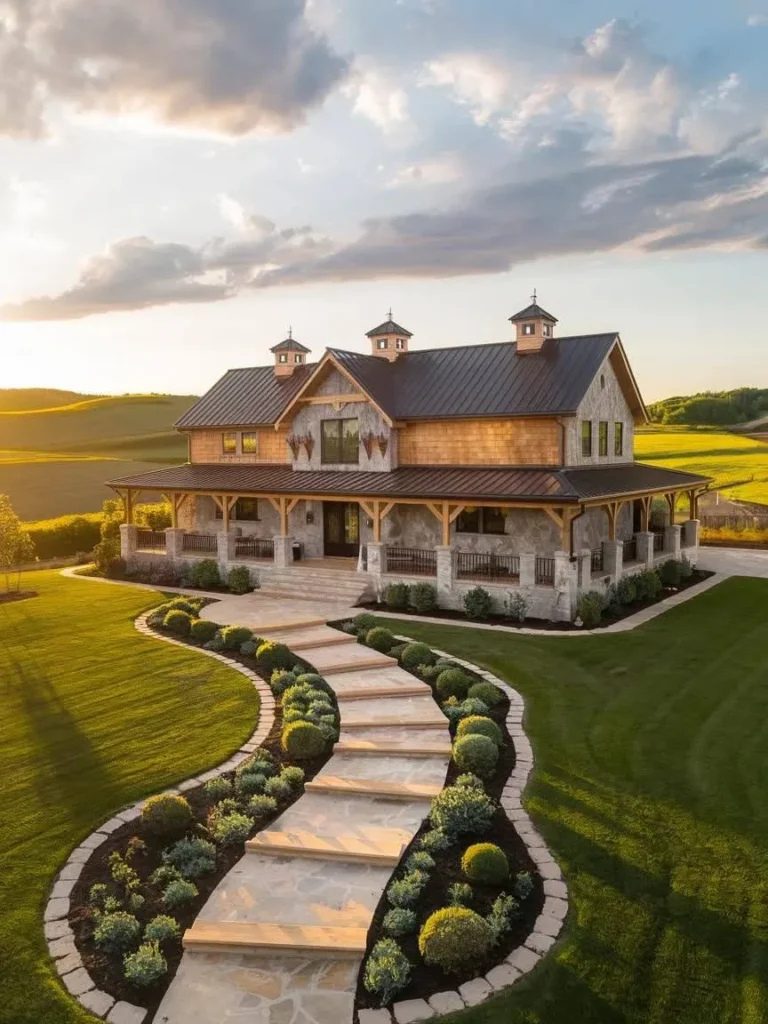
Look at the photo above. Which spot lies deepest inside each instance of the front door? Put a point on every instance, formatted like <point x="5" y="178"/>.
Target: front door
<point x="341" y="528"/>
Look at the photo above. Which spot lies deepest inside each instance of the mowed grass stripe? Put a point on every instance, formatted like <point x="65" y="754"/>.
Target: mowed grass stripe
<point x="651" y="787"/>
<point x="94" y="716"/>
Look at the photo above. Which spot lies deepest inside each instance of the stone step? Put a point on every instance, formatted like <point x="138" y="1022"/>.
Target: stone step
<point x="262" y="938"/>
<point x="330" y="660"/>
<point x="374" y="788"/>
<point x="287" y="626"/>
<point x="383" y="848"/>
<point x="394" y="723"/>
<point x="302" y="639"/>
<point x="417" y="690"/>
<point x="374" y="748"/>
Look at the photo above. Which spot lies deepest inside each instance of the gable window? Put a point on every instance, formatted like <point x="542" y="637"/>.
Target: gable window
<point x="381" y="343"/>
<point x="229" y="443"/>
<point x="586" y="439"/>
<point x="603" y="438"/>
<point x="480" y="520"/>
<point x="529" y="328"/>
<point x="249" y="443"/>
<point x="245" y="510"/>
<point x="618" y="439"/>
<point x="340" y="442"/>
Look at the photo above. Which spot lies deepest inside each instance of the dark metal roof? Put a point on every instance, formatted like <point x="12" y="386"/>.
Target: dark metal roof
<point x="388" y="327"/>
<point x="289" y="345"/>
<point x="447" y="483"/>
<point x="533" y="312"/>
<point x="253" y="396"/>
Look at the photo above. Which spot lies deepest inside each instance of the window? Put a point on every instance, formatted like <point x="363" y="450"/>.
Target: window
<point x="480" y="520"/>
<point x="547" y="329"/>
<point x="586" y="439"/>
<point x="603" y="438"/>
<point x="249" y="443"/>
<point x="618" y="439"/>
<point x="245" y="509"/>
<point x="529" y="328"/>
<point x="282" y="357"/>
<point x="400" y="344"/>
<point x="298" y="358"/>
<point x="229" y="444"/>
<point x="602" y="382"/>
<point x="340" y="442"/>
<point x="381" y="343"/>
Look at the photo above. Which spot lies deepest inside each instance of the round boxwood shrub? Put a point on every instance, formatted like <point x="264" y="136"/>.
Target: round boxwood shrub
<point x="485" y="862"/>
<point x="364" y="621"/>
<point x="271" y="656"/>
<point x="474" y="706"/>
<point x="453" y="937"/>
<point x="280" y="680"/>
<point x="233" y="636"/>
<point x="396" y="596"/>
<point x="453" y="682"/>
<point x="178" y="892"/>
<point x="166" y="816"/>
<point x="178" y="622"/>
<point x="487" y="693"/>
<point x="115" y="933"/>
<point x="416" y="654"/>
<point x="478" y="725"/>
<point x="239" y="580"/>
<point x="279" y="788"/>
<point x="423" y="598"/>
<point x="380" y="640"/>
<point x="478" y="603"/>
<point x="461" y="810"/>
<point x="202" y="630"/>
<point x="184" y="604"/>
<point x="293" y="775"/>
<point x="162" y="928"/>
<point x="302" y="741"/>
<point x="475" y="753"/>
<point x="261" y="806"/>
<point x="205" y="574"/>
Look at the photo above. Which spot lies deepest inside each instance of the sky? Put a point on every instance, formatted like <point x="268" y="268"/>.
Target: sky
<point x="182" y="181"/>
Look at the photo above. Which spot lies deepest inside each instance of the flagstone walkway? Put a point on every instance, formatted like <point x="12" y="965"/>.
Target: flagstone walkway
<point x="282" y="937"/>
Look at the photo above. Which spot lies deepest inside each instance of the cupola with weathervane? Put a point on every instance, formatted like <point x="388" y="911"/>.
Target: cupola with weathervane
<point x="288" y="355"/>
<point x="389" y="340"/>
<point x="534" y="326"/>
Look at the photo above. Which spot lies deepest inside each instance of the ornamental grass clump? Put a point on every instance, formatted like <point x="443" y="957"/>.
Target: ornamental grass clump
<point x="146" y="966"/>
<point x="166" y="816"/>
<point x="478" y="725"/>
<point x="485" y="863"/>
<point x="475" y="753"/>
<point x="387" y="971"/>
<point x="453" y="937"/>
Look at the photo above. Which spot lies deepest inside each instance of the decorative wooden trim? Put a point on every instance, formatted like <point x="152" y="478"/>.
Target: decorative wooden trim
<point x="320" y="369"/>
<point x="309" y="444"/>
<point x="367" y="442"/>
<point x="294" y="442"/>
<point x="383" y="443"/>
<point x="337" y="401"/>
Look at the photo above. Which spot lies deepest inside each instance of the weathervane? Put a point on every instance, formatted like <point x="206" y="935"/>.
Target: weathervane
<point x="390" y="313"/>
<point x="290" y="333"/>
<point x="533" y="297"/>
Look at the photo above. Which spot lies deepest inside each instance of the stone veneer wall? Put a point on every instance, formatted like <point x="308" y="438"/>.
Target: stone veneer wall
<point x="591" y="529"/>
<point x="598" y="404"/>
<point x="527" y="531"/>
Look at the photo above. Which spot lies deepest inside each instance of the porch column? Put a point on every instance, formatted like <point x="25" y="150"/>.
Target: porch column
<point x="283" y="552"/>
<point x="691" y="533"/>
<point x="444" y="558"/>
<point x="613" y="558"/>
<point x="584" y="569"/>
<point x="645" y="548"/>
<point x="225" y="546"/>
<point x="174" y="543"/>
<point x="376" y="554"/>
<point x="128" y="540"/>
<point x="527" y="570"/>
<point x="565" y="587"/>
<point x="672" y="541"/>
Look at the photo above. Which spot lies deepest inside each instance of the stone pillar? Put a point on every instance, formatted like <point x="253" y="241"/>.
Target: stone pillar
<point x="565" y="587"/>
<point x="128" y="540"/>
<point x="527" y="570"/>
<point x="444" y="557"/>
<point x="584" y="569"/>
<point x="645" y="548"/>
<point x="672" y="541"/>
<point x="691" y="533"/>
<point x="225" y="543"/>
<point x="283" y="552"/>
<point x="377" y="554"/>
<point x="613" y="558"/>
<point x="174" y="543"/>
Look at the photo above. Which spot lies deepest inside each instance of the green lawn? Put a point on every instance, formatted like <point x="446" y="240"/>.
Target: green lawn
<point x="651" y="788"/>
<point x="93" y="716"/>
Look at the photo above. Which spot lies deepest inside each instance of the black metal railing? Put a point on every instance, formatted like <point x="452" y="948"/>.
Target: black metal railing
<point x="150" y="540"/>
<point x="471" y="565"/>
<point x="545" y="571"/>
<point x="411" y="561"/>
<point x="658" y="542"/>
<point x="254" y="547"/>
<point x="630" y="550"/>
<point x="597" y="560"/>
<point x="202" y="543"/>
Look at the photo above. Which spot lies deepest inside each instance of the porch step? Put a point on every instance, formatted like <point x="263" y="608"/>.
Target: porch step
<point x="376" y="748"/>
<point x="302" y="639"/>
<point x="255" y="937"/>
<point x="382" y="848"/>
<point x="394" y="723"/>
<point x="373" y="788"/>
<point x="350" y="658"/>
<point x="337" y="587"/>
<point x="383" y="692"/>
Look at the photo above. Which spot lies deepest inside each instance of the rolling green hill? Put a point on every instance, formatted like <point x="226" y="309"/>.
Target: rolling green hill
<point x="726" y="408"/>
<point x="16" y="399"/>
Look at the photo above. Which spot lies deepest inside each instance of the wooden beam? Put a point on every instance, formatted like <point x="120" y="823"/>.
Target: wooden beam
<point x="671" y="497"/>
<point x="554" y="516"/>
<point x="376" y="522"/>
<point x="292" y="504"/>
<point x="456" y="512"/>
<point x="284" y="517"/>
<point x="368" y="508"/>
<point x="129" y="506"/>
<point x="611" y="512"/>
<point x="645" y="513"/>
<point x="436" y="510"/>
<point x="332" y="399"/>
<point x="446" y="521"/>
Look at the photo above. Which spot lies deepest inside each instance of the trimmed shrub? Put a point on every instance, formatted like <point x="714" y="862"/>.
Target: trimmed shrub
<point x="423" y="598"/>
<point x="162" y="928"/>
<point x="364" y="622"/>
<point x="516" y="605"/>
<point x="178" y="622"/>
<point x="478" y="603"/>
<point x="293" y="715"/>
<point x="135" y="902"/>
<point x="396" y="596"/>
<point x="349" y="627"/>
<point x="191" y="857"/>
<point x="406" y="890"/>
<point x="205" y="574"/>
<point x="302" y="741"/>
<point x="671" y="573"/>
<point x="313" y="680"/>
<point x="218" y="789"/>
<point x="474" y="706"/>
<point x="414" y="655"/>
<point x="239" y="580"/>
<point x="435" y="841"/>
<point x="420" y="861"/>
<point x="387" y="971"/>
<point x="271" y="656"/>
<point x="625" y="590"/>
<point x="146" y="965"/>
<point x="262" y="761"/>
<point x="475" y="753"/>
<point x="477" y="725"/>
<point x="590" y="608"/>
<point x="469" y="781"/>
<point x="65" y="535"/>
<point x="166" y="816"/>
<point x="453" y="682"/>
<point x="686" y="569"/>
<point x="399" y="921"/>
<point x="230" y="829"/>
<point x="523" y="885"/>
<point x="233" y="636"/>
<point x="261" y="806"/>
<point x="164" y="875"/>
<point x="249" y="783"/>
<point x="503" y="912"/>
<point x="460" y="894"/>
<point x="279" y="788"/>
<point x="488" y="693"/>
<point x="280" y="680"/>
<point x="486" y="863"/>
<point x="202" y="630"/>
<point x="429" y="673"/>
<point x="649" y="585"/>
<point x="115" y="933"/>
<point x="462" y="810"/>
<point x="397" y="651"/>
<point x="453" y="937"/>
<point x="380" y="639"/>
<point x="293" y="775"/>
<point x="190" y="605"/>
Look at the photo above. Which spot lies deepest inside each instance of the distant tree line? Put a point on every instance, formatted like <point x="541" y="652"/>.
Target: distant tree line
<point x="712" y="407"/>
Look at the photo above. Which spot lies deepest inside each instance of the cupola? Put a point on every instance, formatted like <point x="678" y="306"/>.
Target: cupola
<point x="288" y="355"/>
<point x="534" y="326"/>
<point x="389" y="340"/>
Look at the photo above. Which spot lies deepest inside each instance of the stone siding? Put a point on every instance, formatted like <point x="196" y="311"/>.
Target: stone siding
<point x="600" y="403"/>
<point x="591" y="529"/>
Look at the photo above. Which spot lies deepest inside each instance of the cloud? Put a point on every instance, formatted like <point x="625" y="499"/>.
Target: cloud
<point x="380" y="98"/>
<point x="221" y="65"/>
<point x="440" y="170"/>
<point x="757" y="20"/>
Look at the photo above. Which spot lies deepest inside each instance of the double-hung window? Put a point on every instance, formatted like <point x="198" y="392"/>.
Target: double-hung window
<point x="586" y="439"/>
<point x="229" y="443"/>
<point x="249" y="442"/>
<point x="340" y="442"/>
<point x="618" y="438"/>
<point x="603" y="439"/>
<point x="481" y="520"/>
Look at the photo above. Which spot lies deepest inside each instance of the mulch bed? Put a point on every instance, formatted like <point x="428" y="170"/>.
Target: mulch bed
<point x="105" y="968"/>
<point x="425" y="979"/>
<point x="451" y="615"/>
<point x="16" y="595"/>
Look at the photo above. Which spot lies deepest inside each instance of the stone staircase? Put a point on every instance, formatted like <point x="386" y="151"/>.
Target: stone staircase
<point x="315" y="584"/>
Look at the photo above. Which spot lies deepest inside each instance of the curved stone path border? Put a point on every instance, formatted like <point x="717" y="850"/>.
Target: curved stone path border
<point x="58" y="934"/>
<point x="548" y="924"/>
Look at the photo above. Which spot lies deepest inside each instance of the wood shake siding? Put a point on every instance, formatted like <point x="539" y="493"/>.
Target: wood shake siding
<point x="206" y="446"/>
<point x="480" y="442"/>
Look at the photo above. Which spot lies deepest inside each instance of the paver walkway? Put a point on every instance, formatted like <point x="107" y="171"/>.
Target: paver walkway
<point x="282" y="937"/>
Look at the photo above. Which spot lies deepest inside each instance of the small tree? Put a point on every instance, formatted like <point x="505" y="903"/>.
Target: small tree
<point x="108" y="549"/>
<point x="16" y="545"/>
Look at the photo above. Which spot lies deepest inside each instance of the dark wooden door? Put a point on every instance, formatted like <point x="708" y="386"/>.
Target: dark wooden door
<point x="341" y="528"/>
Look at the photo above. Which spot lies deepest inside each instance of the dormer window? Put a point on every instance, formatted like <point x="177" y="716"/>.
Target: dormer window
<point x="382" y="343"/>
<point x="529" y="329"/>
